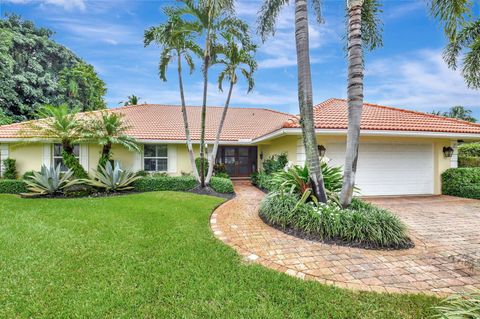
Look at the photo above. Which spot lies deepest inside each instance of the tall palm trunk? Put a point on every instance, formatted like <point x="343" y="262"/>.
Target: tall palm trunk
<point x="185" y="118"/>
<point x="206" y="62"/>
<point x="306" y="101"/>
<point x="211" y="161"/>
<point x="355" y="98"/>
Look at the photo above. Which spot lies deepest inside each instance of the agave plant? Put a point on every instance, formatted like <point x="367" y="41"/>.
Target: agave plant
<point x="50" y="180"/>
<point x="112" y="178"/>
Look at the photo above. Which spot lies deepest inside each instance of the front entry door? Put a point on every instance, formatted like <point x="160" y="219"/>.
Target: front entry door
<point x="240" y="161"/>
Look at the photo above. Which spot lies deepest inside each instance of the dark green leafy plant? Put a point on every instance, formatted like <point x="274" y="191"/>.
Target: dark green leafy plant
<point x="12" y="186"/>
<point x="222" y="175"/>
<point x="275" y="163"/>
<point x="461" y="182"/>
<point x="221" y="185"/>
<point x="219" y="168"/>
<point x="10" y="168"/>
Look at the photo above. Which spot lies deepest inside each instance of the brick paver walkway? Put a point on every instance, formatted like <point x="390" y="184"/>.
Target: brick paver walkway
<point x="445" y="259"/>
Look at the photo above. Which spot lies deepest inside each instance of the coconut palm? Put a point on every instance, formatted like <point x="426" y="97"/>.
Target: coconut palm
<point x="61" y="124"/>
<point x="362" y="30"/>
<point x="107" y="129"/>
<point x="268" y="15"/>
<point x="176" y="40"/>
<point x="462" y="29"/>
<point x="211" y="17"/>
<point x="235" y="58"/>
<point x="131" y="100"/>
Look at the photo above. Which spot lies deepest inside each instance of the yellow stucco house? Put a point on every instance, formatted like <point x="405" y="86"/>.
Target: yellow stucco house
<point x="401" y="152"/>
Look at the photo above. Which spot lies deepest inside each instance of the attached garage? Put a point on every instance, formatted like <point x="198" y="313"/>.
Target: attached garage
<point x="390" y="169"/>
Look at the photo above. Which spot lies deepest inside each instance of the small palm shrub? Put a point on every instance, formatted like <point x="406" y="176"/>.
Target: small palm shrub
<point x="10" y="168"/>
<point x="460" y="306"/>
<point x="49" y="181"/>
<point x="112" y="178"/>
<point x="362" y="224"/>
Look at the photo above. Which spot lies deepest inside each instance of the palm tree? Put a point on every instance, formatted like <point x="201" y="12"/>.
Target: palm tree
<point x="461" y="113"/>
<point x="176" y="40"/>
<point x="107" y="129"/>
<point x="362" y="30"/>
<point x="462" y="29"/>
<point x="61" y="124"/>
<point x="236" y="58"/>
<point x="211" y="17"/>
<point x="268" y="14"/>
<point x="131" y="100"/>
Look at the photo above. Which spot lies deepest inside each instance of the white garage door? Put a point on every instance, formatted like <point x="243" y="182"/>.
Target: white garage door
<point x="390" y="169"/>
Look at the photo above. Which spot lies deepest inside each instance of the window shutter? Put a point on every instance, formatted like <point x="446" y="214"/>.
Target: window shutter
<point x="47" y="155"/>
<point x="172" y="158"/>
<point x="84" y="156"/>
<point x="3" y="155"/>
<point x="137" y="160"/>
<point x="454" y="158"/>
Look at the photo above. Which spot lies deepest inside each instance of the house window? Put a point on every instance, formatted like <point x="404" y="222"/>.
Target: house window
<point x="155" y="158"/>
<point x="57" y="155"/>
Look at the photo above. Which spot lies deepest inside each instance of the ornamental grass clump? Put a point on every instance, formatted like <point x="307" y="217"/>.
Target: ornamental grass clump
<point x="362" y="224"/>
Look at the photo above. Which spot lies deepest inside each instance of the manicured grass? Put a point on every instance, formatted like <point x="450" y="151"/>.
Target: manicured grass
<point x="152" y="255"/>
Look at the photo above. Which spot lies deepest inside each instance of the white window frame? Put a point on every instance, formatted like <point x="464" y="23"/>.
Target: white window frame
<point x="54" y="157"/>
<point x="156" y="157"/>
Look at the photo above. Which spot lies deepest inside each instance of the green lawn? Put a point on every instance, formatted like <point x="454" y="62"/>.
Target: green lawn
<point x="153" y="255"/>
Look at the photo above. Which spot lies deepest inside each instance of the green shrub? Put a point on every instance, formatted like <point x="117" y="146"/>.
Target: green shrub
<point x="222" y="175"/>
<point x="468" y="161"/>
<point x="263" y="181"/>
<point x="219" y="168"/>
<point x="10" y="168"/>
<point x="12" y="186"/>
<point x="198" y="162"/>
<point x="142" y="173"/>
<point x="469" y="149"/>
<point x="461" y="182"/>
<point x="165" y="183"/>
<point x="462" y="306"/>
<point x="221" y="185"/>
<point x="275" y="163"/>
<point x="362" y="224"/>
<point x="28" y="174"/>
<point x="72" y="163"/>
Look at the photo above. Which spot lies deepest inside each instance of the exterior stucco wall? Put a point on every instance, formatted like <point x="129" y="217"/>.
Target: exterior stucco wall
<point x="29" y="157"/>
<point x="284" y="144"/>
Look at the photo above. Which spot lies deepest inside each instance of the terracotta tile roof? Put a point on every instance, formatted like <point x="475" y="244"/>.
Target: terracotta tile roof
<point x="165" y="122"/>
<point x="333" y="114"/>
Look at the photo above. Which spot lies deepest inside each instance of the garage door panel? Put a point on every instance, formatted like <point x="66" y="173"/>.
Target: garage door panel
<point x="390" y="169"/>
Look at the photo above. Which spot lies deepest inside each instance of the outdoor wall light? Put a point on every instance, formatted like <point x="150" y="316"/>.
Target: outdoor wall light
<point x="447" y="151"/>
<point x="261" y="155"/>
<point x="322" y="150"/>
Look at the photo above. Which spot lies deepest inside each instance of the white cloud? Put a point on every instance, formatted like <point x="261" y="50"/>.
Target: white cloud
<point x="66" y="4"/>
<point x="421" y="80"/>
<point x="400" y="10"/>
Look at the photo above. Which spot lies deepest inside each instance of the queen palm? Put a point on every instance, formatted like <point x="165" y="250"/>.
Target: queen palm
<point x="176" y="40"/>
<point x="131" y="100"/>
<point x="107" y="129"/>
<point x="362" y="30"/>
<point x="235" y="58"/>
<point x="61" y="124"/>
<point x="268" y="15"/>
<point x="211" y="17"/>
<point x="463" y="32"/>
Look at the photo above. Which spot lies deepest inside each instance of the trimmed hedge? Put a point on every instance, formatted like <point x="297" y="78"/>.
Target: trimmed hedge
<point x="165" y="183"/>
<point x="462" y="182"/>
<point x="362" y="225"/>
<point x="468" y="161"/>
<point x="469" y="149"/>
<point x="12" y="186"/>
<point x="221" y="185"/>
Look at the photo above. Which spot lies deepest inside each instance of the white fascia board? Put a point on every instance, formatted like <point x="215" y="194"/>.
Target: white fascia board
<point x="240" y="142"/>
<point x="298" y="131"/>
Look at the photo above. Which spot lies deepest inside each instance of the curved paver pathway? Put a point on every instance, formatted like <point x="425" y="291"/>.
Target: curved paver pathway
<point x="431" y="267"/>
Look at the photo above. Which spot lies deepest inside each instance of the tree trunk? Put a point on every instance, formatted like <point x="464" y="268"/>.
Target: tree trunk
<point x="305" y="100"/>
<point x="185" y="119"/>
<point x="211" y="161"/>
<point x="355" y="98"/>
<point x="106" y="150"/>
<point x="206" y="62"/>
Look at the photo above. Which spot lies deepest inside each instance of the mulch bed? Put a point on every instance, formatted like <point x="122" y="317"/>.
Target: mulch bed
<point x="209" y="191"/>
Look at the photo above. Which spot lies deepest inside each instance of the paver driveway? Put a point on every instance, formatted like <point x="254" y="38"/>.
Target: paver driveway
<point x="446" y="232"/>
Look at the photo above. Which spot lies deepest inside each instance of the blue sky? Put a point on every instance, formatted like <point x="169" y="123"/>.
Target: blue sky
<point x="407" y="72"/>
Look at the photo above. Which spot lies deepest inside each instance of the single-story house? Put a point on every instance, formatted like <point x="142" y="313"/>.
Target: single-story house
<point x="402" y="152"/>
